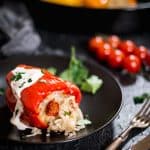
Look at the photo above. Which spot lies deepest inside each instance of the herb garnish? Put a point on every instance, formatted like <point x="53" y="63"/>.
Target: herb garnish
<point x="92" y="84"/>
<point x="52" y="70"/>
<point x="76" y="71"/>
<point x="79" y="74"/>
<point x="30" y="80"/>
<point x="17" y="76"/>
<point x="67" y="113"/>
<point x="141" y="98"/>
<point x="2" y="91"/>
<point x="22" y="84"/>
<point x="43" y="70"/>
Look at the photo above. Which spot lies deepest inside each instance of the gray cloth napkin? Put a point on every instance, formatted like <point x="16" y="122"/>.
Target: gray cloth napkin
<point x="17" y="25"/>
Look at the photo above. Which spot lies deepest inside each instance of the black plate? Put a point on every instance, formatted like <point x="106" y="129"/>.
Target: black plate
<point x="60" y="18"/>
<point x="101" y="108"/>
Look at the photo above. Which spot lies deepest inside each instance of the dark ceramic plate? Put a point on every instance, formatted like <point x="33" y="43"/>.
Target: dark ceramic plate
<point x="101" y="108"/>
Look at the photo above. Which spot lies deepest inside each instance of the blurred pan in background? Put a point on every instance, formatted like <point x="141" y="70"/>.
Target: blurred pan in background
<point x="62" y="18"/>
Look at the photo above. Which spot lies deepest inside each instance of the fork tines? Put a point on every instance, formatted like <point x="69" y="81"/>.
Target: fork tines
<point x="145" y="110"/>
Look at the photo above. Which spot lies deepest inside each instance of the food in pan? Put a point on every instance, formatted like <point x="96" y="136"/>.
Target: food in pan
<point x="40" y="100"/>
<point x="95" y="3"/>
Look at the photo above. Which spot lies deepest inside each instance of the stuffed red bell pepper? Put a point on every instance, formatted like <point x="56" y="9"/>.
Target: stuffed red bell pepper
<point x="39" y="99"/>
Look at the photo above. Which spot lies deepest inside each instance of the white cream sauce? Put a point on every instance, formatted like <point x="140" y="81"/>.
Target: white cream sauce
<point x="28" y="78"/>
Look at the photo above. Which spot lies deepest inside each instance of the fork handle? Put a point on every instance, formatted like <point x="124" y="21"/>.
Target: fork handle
<point x="115" y="144"/>
<point x="121" y="138"/>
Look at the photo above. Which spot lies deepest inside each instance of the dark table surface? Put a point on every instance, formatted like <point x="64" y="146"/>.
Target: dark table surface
<point x="51" y="42"/>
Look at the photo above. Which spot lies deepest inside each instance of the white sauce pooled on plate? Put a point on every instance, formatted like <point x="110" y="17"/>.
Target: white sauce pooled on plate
<point x="22" y="79"/>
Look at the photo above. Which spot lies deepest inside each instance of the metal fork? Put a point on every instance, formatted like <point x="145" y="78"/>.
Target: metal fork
<point x="140" y="120"/>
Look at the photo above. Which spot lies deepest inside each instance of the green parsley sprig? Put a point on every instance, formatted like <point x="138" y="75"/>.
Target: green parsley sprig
<point x="67" y="113"/>
<point x="77" y="73"/>
<point x="17" y="76"/>
<point x="141" y="98"/>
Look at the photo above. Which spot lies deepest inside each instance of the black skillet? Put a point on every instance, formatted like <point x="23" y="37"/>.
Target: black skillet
<point x="58" y="18"/>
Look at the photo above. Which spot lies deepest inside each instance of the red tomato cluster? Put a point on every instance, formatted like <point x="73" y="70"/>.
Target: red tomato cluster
<point x="124" y="54"/>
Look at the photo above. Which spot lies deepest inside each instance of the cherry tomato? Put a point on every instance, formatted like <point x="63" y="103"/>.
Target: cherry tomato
<point x="95" y="42"/>
<point x="104" y="51"/>
<point x="148" y="58"/>
<point x="141" y="52"/>
<point x="116" y="58"/>
<point x="132" y="63"/>
<point x="114" y="41"/>
<point x="127" y="47"/>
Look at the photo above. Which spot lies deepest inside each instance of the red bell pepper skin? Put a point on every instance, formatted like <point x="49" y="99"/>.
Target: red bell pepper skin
<point x="32" y="96"/>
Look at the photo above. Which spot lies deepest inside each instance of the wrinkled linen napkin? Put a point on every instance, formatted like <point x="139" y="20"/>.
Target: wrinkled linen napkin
<point x="18" y="26"/>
